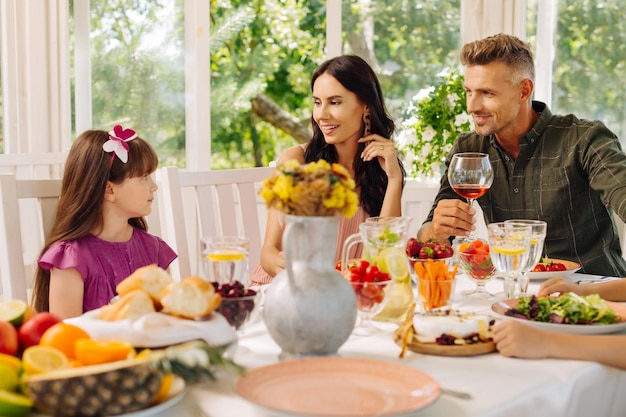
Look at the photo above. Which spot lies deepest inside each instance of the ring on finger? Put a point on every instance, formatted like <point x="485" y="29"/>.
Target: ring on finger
<point x="382" y="147"/>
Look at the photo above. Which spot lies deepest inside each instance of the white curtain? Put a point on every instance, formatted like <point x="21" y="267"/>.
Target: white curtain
<point x="481" y="18"/>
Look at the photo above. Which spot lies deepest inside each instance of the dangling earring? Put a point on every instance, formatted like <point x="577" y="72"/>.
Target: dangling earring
<point x="368" y="125"/>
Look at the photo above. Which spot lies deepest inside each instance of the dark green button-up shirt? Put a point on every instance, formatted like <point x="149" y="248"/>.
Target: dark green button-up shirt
<point x="570" y="173"/>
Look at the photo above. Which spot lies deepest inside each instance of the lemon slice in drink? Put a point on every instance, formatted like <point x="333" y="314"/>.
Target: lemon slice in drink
<point x="225" y="255"/>
<point x="13" y="311"/>
<point x="395" y="263"/>
<point x="13" y="404"/>
<point x="509" y="250"/>
<point x="39" y="359"/>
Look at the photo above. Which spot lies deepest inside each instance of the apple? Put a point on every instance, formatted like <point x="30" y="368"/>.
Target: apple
<point x="30" y="332"/>
<point x="8" y="338"/>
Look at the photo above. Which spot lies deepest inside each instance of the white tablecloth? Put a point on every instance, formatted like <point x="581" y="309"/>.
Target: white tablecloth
<point x="499" y="386"/>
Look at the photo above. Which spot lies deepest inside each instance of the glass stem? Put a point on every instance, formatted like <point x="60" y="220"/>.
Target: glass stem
<point x="522" y="281"/>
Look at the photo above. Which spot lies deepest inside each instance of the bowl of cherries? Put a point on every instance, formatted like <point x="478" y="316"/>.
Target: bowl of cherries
<point x="240" y="305"/>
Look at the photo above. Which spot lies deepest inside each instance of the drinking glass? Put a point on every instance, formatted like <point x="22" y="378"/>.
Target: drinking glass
<point x="475" y="260"/>
<point x="538" y="230"/>
<point x="225" y="259"/>
<point x="371" y="298"/>
<point x="470" y="175"/>
<point x="509" y="248"/>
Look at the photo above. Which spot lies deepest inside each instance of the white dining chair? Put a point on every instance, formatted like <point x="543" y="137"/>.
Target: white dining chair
<point x="27" y="213"/>
<point x="209" y="203"/>
<point x="33" y="165"/>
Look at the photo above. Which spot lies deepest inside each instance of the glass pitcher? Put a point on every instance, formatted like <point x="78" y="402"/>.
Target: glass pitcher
<point x="384" y="243"/>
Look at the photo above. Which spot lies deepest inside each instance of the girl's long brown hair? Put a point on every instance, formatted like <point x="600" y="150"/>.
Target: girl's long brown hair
<point x="87" y="169"/>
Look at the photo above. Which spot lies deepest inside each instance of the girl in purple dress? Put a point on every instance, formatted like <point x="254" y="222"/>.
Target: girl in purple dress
<point x="100" y="235"/>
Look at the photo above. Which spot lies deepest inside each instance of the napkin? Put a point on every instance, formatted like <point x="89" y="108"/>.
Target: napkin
<point x="157" y="329"/>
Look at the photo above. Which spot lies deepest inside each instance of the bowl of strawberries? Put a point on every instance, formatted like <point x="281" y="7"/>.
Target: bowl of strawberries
<point x="418" y="251"/>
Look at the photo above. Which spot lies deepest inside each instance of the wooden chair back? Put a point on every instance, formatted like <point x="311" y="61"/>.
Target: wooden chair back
<point x="27" y="214"/>
<point x="210" y="203"/>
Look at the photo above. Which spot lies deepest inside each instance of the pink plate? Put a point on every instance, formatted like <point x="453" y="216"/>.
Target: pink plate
<point x="338" y="387"/>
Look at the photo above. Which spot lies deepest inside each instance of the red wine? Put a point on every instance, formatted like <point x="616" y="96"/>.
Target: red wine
<point x="470" y="191"/>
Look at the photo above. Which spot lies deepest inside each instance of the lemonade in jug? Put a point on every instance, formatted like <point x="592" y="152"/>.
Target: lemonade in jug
<point x="384" y="241"/>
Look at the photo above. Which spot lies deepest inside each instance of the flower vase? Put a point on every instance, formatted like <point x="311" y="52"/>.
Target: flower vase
<point x="310" y="308"/>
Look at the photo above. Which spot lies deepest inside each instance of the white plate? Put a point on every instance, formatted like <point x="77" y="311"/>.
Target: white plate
<point x="570" y="266"/>
<point x="176" y="393"/>
<point x="501" y="306"/>
<point x="338" y="387"/>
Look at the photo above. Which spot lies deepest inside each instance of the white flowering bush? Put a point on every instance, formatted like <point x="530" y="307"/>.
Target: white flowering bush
<point x="432" y="121"/>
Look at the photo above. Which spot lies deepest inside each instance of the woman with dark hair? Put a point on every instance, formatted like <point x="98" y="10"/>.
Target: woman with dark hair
<point x="99" y="236"/>
<point x="352" y="127"/>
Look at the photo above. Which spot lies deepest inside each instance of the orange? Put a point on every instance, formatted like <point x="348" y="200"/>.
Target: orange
<point x="91" y="352"/>
<point x="63" y="336"/>
<point x="164" y="390"/>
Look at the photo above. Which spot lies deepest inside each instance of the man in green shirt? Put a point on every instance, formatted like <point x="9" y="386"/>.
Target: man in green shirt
<point x="568" y="172"/>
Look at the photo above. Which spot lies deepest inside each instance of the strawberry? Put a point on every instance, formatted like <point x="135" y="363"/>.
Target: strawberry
<point x="443" y="250"/>
<point x="426" y="252"/>
<point x="413" y="247"/>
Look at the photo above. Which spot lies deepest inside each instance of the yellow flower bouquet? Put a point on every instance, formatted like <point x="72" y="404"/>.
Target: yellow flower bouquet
<point x="313" y="189"/>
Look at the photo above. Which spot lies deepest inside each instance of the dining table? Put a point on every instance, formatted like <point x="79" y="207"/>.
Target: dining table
<point x="498" y="385"/>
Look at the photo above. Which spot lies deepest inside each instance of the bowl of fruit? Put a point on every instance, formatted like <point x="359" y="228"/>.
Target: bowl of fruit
<point x="475" y="260"/>
<point x="418" y="251"/>
<point x="239" y="305"/>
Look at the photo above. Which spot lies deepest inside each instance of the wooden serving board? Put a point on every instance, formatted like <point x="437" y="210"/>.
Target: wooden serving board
<point x="443" y="350"/>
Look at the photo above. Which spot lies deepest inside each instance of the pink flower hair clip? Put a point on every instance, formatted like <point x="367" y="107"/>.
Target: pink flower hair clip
<point x="117" y="143"/>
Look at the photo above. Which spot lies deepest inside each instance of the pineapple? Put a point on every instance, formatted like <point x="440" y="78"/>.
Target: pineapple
<point x="123" y="386"/>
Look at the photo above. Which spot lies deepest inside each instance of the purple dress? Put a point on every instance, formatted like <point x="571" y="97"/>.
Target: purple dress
<point x="104" y="264"/>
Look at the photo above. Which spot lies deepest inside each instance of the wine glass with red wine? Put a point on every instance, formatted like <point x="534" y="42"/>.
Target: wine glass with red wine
<point x="470" y="175"/>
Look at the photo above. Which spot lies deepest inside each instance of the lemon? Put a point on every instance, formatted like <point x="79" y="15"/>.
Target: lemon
<point x="13" y="311"/>
<point x="226" y="255"/>
<point x="11" y="361"/>
<point x="8" y="377"/>
<point x="395" y="263"/>
<point x="39" y="359"/>
<point x="14" y="405"/>
<point x="511" y="250"/>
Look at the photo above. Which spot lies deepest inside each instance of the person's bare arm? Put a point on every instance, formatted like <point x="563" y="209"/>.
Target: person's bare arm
<point x="614" y="290"/>
<point x="451" y="218"/>
<point x="66" y="292"/>
<point x="515" y="339"/>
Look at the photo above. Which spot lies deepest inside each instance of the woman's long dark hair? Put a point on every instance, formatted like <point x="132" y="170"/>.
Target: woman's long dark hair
<point x="358" y="77"/>
<point x="87" y="169"/>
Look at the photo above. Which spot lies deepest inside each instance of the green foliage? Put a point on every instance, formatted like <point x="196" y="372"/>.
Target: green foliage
<point x="591" y="61"/>
<point x="433" y="120"/>
<point x="274" y="53"/>
<point x="138" y="71"/>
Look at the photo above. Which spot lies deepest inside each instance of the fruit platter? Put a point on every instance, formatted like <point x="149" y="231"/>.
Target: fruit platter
<point x="98" y="364"/>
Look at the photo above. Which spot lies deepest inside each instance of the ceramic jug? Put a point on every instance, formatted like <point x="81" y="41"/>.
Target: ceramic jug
<point x="310" y="308"/>
<point x="384" y="243"/>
